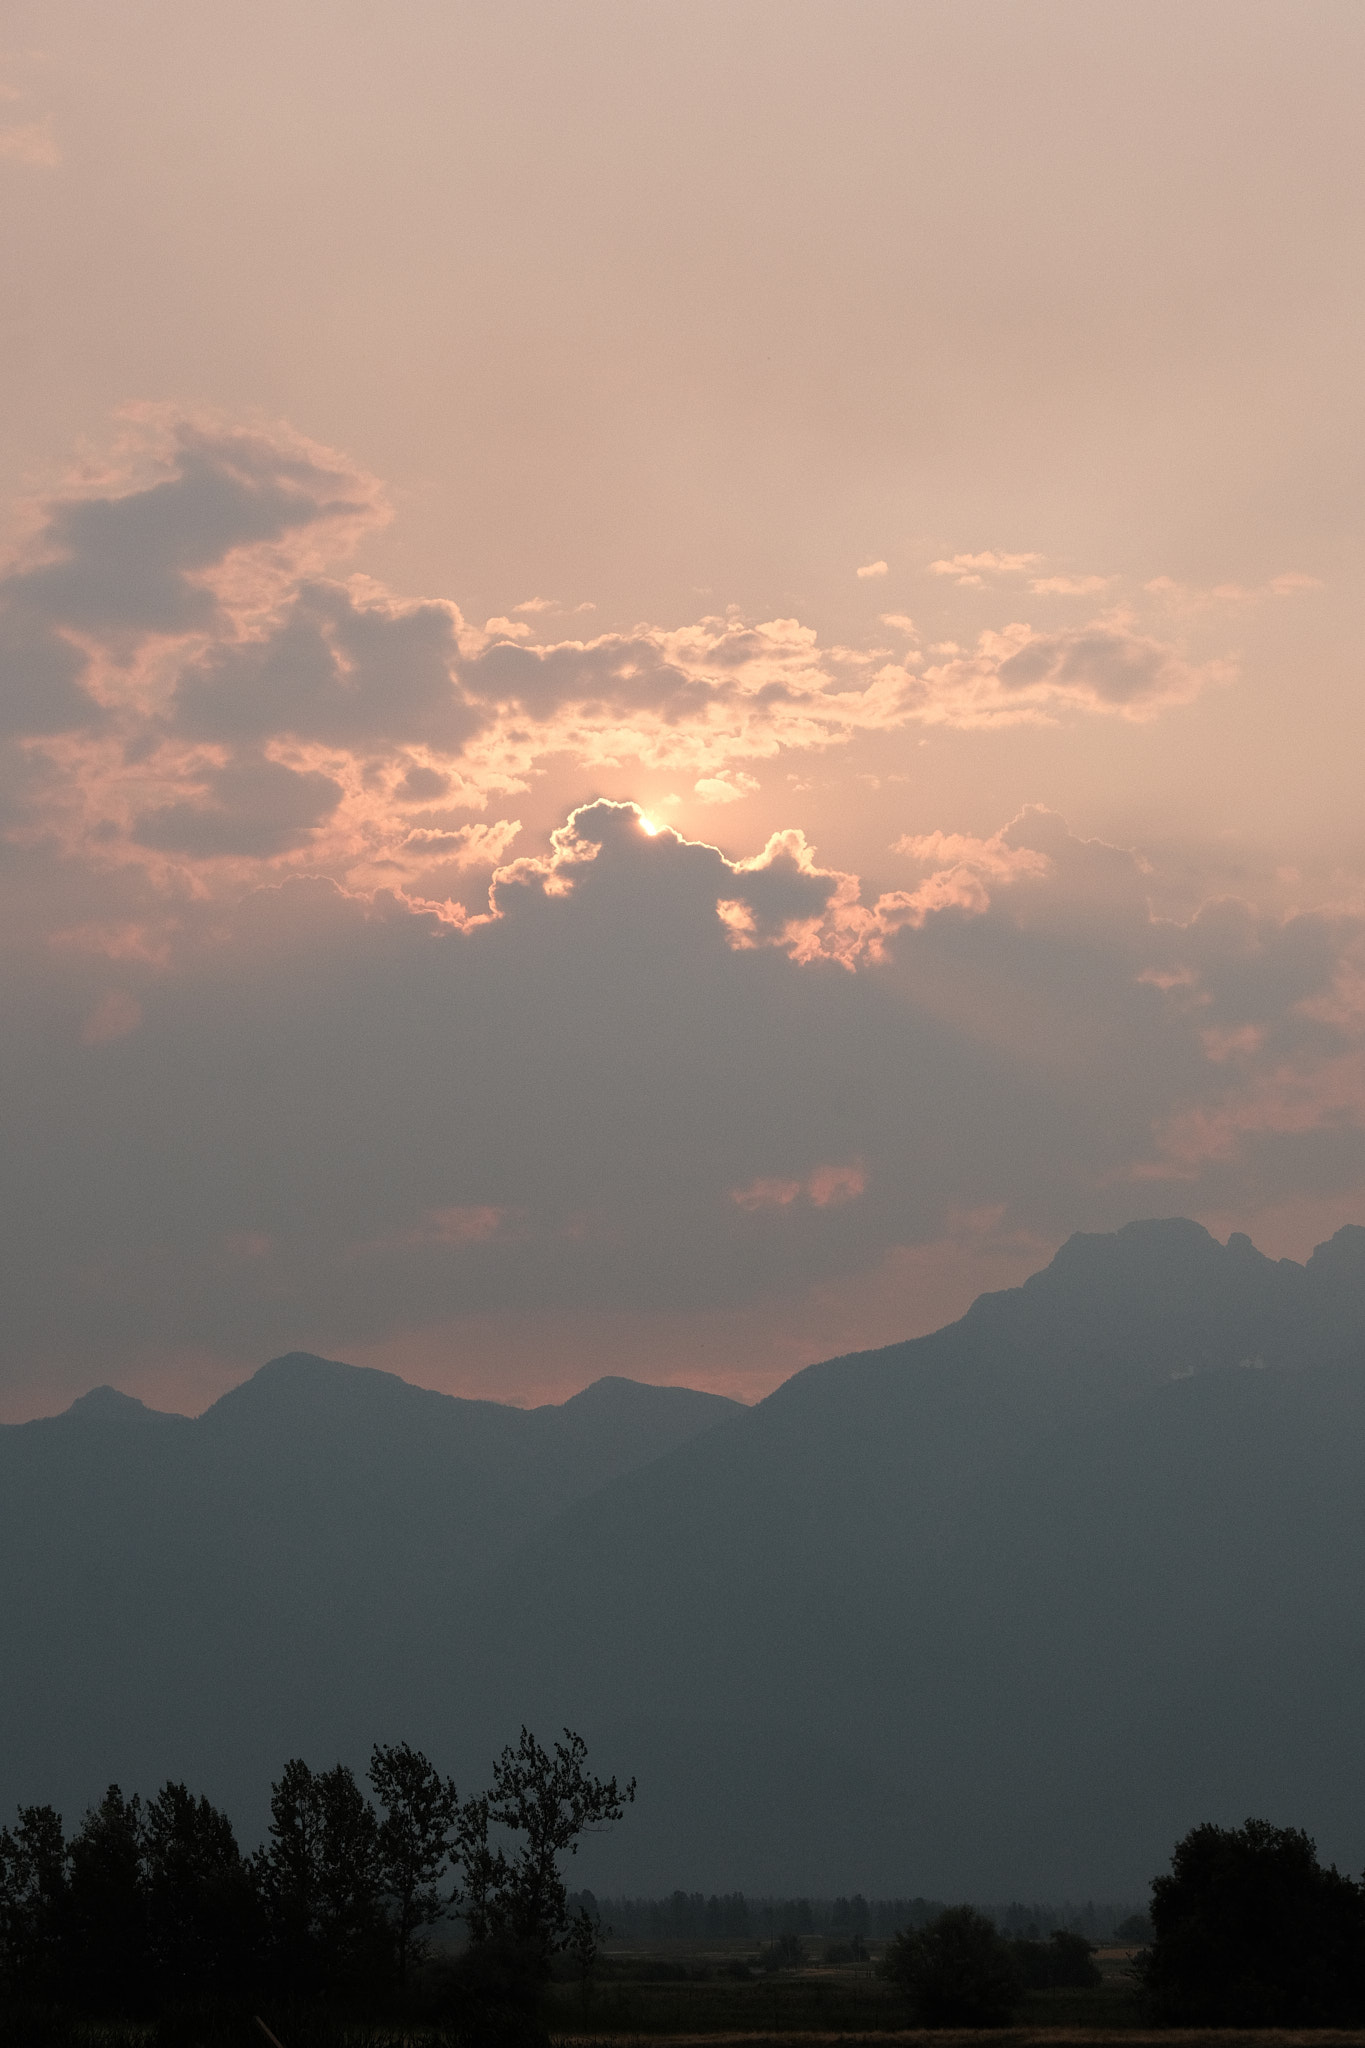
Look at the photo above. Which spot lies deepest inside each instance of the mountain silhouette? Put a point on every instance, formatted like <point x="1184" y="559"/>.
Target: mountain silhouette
<point x="1002" y="1609"/>
<point x="202" y="1598"/>
<point x="990" y="1610"/>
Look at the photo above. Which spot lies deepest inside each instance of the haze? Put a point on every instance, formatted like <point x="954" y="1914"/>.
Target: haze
<point x="676" y="681"/>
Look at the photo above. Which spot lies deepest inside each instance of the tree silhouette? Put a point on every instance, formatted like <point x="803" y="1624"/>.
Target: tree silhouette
<point x="414" y="1846"/>
<point x="957" y="1971"/>
<point x="33" y="1900"/>
<point x="545" y="1803"/>
<point x="320" y="1882"/>
<point x="105" y="1950"/>
<point x="1249" y="1930"/>
<point x="200" y="1900"/>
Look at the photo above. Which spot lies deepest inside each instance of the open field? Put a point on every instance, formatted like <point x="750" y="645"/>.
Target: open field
<point x="1003" y="2037"/>
<point x="716" y="1993"/>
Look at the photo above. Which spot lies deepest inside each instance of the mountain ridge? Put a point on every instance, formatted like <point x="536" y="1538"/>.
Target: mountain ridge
<point x="992" y="1609"/>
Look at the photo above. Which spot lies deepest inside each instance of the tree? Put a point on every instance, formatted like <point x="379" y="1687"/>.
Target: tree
<point x="349" y="1926"/>
<point x="1064" y="1962"/>
<point x="319" y="1877"/>
<point x="200" y="1899"/>
<point x="414" y="1846"/>
<point x="957" y="1971"/>
<point x="287" y="1873"/>
<point x="545" y="1803"/>
<point x="1249" y="1930"/>
<point x="33" y="1900"/>
<point x="105" y="1946"/>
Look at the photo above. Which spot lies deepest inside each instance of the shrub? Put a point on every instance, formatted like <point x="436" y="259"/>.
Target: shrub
<point x="957" y="1971"/>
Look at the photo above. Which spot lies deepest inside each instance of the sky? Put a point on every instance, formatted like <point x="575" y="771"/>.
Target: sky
<point x="676" y="680"/>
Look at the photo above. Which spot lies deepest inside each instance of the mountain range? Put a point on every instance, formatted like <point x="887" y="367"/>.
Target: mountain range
<point x="1004" y="1609"/>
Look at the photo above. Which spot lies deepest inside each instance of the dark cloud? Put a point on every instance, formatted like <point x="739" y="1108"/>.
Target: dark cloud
<point x="134" y="560"/>
<point x="331" y="671"/>
<point x="40" y="679"/>
<point x="310" y="1116"/>
<point x="275" y="1075"/>
<point x="255" y="809"/>
<point x="1116" y="668"/>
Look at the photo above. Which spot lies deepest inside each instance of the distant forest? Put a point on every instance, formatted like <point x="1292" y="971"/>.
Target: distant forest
<point x="719" y="1916"/>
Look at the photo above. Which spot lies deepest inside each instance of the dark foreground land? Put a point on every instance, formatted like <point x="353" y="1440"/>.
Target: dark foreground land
<point x="695" y="1999"/>
<point x="635" y="1999"/>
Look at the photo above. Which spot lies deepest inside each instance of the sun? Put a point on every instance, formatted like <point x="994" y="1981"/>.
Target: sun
<point x="648" y="825"/>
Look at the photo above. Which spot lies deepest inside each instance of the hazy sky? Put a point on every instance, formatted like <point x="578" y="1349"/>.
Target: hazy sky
<point x="845" y="518"/>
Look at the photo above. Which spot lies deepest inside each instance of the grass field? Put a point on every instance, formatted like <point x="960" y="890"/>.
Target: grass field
<point x="1005" y="2037"/>
<point x="709" y="1995"/>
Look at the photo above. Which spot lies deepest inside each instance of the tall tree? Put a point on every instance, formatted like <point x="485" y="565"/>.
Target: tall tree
<point x="543" y="1804"/>
<point x="33" y="1900"/>
<point x="288" y="1875"/>
<point x="200" y="1899"/>
<point x="349" y="1916"/>
<point x="106" y="1949"/>
<point x="420" y="1810"/>
<point x="319" y="1877"/>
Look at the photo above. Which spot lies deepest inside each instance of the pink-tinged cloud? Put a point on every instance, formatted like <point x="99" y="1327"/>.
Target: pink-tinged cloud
<point x="827" y="1187"/>
<point x="1069" y="586"/>
<point x="1187" y="599"/>
<point x="1020" y="676"/>
<point x="971" y="570"/>
<point x="767" y="1193"/>
<point x="31" y="143"/>
<point x="584" y="1102"/>
<point x="190" y="690"/>
<point x="114" y="1016"/>
<point x="465" y="1223"/>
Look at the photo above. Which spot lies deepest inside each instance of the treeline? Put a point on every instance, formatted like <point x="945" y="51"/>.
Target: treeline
<point x="153" y="1906"/>
<point x="722" y="1916"/>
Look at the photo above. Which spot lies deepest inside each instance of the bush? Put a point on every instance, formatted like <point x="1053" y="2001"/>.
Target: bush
<point x="1066" y="1962"/>
<point x="957" y="1971"/>
<point x="1137" y="1927"/>
<point x="786" y="1953"/>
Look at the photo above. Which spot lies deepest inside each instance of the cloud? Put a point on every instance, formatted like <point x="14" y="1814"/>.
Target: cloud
<point x="251" y="999"/>
<point x="1020" y="675"/>
<point x="253" y="809"/>
<point x="1293" y="583"/>
<point x="826" y="1187"/>
<point x="114" y="1016"/>
<point x="872" y="569"/>
<point x="1069" y="586"/>
<point x="1191" y="599"/>
<point x="726" y="788"/>
<point x="31" y="143"/>
<point x="652" y="1080"/>
<point x="971" y="570"/>
<point x="541" y="604"/>
<point x="188" y="685"/>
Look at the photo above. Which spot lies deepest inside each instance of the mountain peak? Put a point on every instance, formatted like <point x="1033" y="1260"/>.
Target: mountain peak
<point x="1343" y="1254"/>
<point x="1135" y="1244"/>
<point x="106" y="1404"/>
<point x="614" y="1390"/>
<point x="300" y="1383"/>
